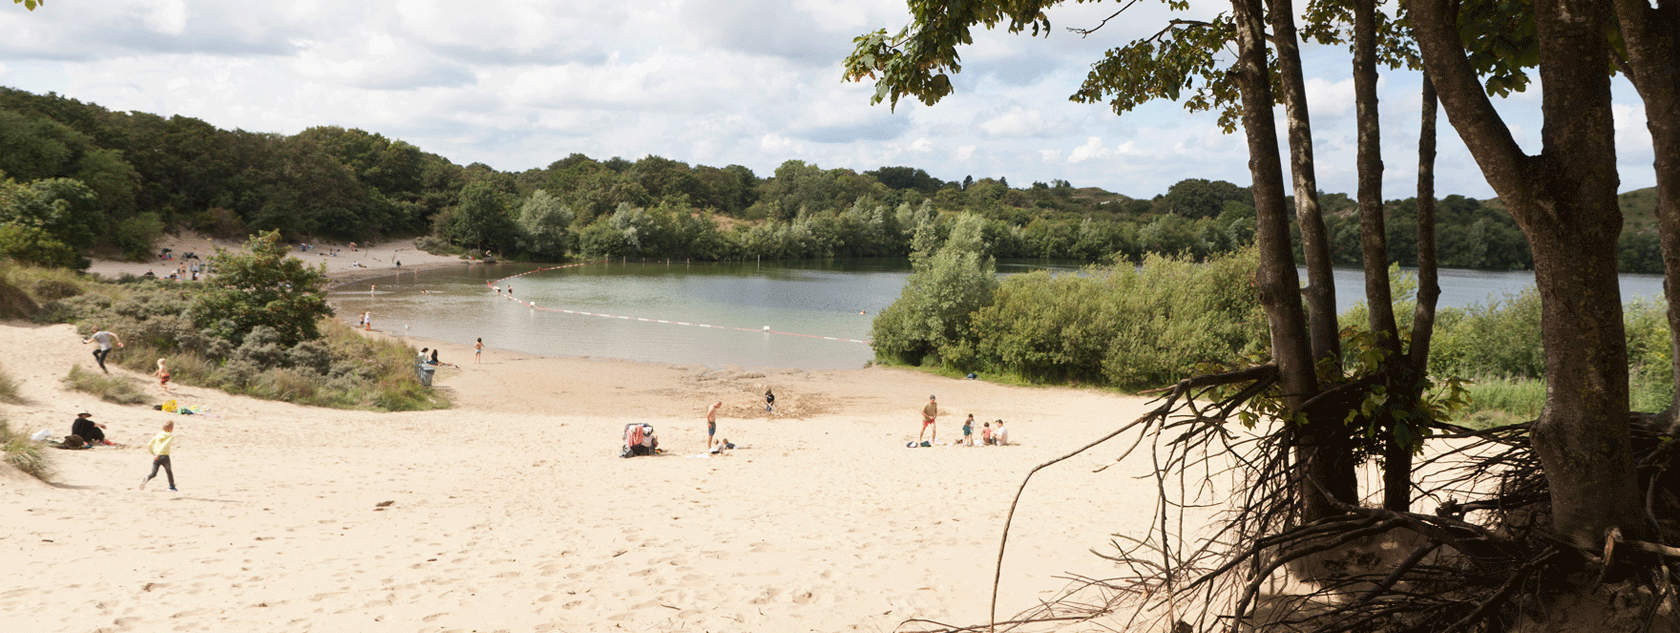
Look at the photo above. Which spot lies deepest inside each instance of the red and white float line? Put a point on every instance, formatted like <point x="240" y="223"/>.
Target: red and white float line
<point x="498" y="283"/>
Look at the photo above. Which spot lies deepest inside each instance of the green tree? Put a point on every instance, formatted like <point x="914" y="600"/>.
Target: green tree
<point x="948" y="284"/>
<point x="481" y="221"/>
<point x="261" y="286"/>
<point x="545" y="226"/>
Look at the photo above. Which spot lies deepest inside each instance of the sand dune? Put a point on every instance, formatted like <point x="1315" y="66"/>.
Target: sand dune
<point x="513" y="512"/>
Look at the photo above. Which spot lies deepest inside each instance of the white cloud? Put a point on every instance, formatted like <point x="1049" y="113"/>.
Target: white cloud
<point x="1018" y="122"/>
<point x="964" y="153"/>
<point x="1093" y="148"/>
<point x="165" y="16"/>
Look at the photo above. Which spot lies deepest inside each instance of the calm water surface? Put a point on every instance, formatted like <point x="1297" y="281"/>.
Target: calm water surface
<point x="812" y="307"/>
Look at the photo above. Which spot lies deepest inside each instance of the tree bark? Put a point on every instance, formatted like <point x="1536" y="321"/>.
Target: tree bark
<point x="1279" y="283"/>
<point x="1565" y="201"/>
<point x="1315" y="240"/>
<point x="1429" y="283"/>
<point x="1652" y="35"/>
<point x="1280" y="289"/>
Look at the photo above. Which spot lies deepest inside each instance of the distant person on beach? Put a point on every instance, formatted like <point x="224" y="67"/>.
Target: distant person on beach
<point x="162" y="374"/>
<point x="478" y="351"/>
<point x="968" y="430"/>
<point x="423" y="351"/>
<point x="930" y="413"/>
<point x="769" y="400"/>
<point x="90" y="431"/>
<point x="1001" y="435"/>
<point x="159" y="448"/>
<point x="106" y="340"/>
<point x="366" y="318"/>
<point x="711" y="423"/>
<point x="986" y="435"/>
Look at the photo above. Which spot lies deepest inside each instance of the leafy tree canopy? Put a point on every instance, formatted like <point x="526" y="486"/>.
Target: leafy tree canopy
<point x="261" y="286"/>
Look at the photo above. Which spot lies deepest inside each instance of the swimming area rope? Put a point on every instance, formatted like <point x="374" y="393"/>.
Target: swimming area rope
<point x="498" y="283"/>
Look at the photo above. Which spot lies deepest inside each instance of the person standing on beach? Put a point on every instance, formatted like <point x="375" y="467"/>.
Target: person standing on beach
<point x="711" y="423"/>
<point x="478" y="351"/>
<point x="367" y="321"/>
<point x="968" y="430"/>
<point x="159" y="447"/>
<point x="930" y="412"/>
<point x="769" y="400"/>
<point x="106" y="339"/>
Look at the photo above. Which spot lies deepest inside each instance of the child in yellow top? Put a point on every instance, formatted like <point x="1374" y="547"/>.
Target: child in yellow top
<point x="159" y="447"/>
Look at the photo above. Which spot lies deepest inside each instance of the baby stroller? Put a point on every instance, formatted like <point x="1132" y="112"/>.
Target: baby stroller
<point x="639" y="439"/>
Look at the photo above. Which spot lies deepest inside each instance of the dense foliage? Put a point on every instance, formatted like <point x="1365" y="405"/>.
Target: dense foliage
<point x="1125" y="326"/>
<point x="260" y="287"/>
<point x="80" y="178"/>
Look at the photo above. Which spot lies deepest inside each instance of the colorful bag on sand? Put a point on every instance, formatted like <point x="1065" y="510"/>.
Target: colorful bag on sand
<point x="170" y="406"/>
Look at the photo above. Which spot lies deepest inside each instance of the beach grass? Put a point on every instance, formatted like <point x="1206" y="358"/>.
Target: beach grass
<point x="107" y="387"/>
<point x="9" y="388"/>
<point x="27" y="455"/>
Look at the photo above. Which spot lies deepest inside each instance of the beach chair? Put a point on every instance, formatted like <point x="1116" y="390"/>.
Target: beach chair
<point x="639" y="439"/>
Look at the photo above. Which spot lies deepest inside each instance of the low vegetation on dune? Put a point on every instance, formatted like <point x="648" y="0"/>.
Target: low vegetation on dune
<point x="262" y="328"/>
<point x="26" y="455"/>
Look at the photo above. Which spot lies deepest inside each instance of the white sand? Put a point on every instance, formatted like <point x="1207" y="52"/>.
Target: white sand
<point x="513" y="512"/>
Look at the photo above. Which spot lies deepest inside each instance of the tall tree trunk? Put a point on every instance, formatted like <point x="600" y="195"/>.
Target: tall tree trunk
<point x="1280" y="285"/>
<point x="1565" y="201"/>
<point x="1324" y="448"/>
<point x="1428" y="278"/>
<point x="1402" y="381"/>
<point x="1397" y="480"/>
<point x="1652" y="35"/>
<point x="1315" y="240"/>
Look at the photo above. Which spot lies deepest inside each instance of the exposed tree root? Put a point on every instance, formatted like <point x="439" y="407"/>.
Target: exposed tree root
<point x="1482" y="561"/>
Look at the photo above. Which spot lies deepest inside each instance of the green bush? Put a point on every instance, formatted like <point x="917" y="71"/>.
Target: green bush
<point x="1128" y="326"/>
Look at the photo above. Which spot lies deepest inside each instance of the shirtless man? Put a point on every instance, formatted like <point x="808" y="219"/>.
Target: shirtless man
<point x="711" y="423"/>
<point x="930" y="412"/>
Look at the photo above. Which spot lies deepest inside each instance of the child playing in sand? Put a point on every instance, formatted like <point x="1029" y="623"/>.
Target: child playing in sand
<point x="478" y="351"/>
<point x="162" y="374"/>
<point x="159" y="447"/>
<point x="986" y="435"/>
<point x="968" y="431"/>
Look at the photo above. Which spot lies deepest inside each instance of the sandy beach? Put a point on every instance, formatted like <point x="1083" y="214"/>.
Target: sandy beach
<point x="512" y="511"/>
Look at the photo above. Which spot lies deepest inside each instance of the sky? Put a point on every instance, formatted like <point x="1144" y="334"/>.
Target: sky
<point x="519" y="84"/>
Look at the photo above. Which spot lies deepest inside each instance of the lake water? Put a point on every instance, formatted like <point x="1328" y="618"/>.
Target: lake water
<point x="716" y="314"/>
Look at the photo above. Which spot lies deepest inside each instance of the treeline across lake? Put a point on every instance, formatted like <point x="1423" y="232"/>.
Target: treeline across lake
<point x="76" y="178"/>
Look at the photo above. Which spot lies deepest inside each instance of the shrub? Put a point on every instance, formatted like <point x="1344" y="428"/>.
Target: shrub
<point x="9" y="389"/>
<point x="117" y="389"/>
<point x="25" y="454"/>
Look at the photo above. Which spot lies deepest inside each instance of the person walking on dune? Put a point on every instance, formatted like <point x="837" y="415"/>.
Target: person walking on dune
<point x="930" y="413"/>
<point x="159" y="448"/>
<point x="105" y="339"/>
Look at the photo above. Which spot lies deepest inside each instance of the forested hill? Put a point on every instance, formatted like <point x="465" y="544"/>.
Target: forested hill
<point x="76" y="179"/>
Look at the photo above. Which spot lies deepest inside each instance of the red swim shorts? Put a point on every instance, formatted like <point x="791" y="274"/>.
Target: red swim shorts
<point x="927" y="421"/>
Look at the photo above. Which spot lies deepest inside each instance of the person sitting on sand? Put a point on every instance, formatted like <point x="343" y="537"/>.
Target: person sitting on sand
<point x="90" y="431"/>
<point x="1001" y="435"/>
<point x="986" y="435"/>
